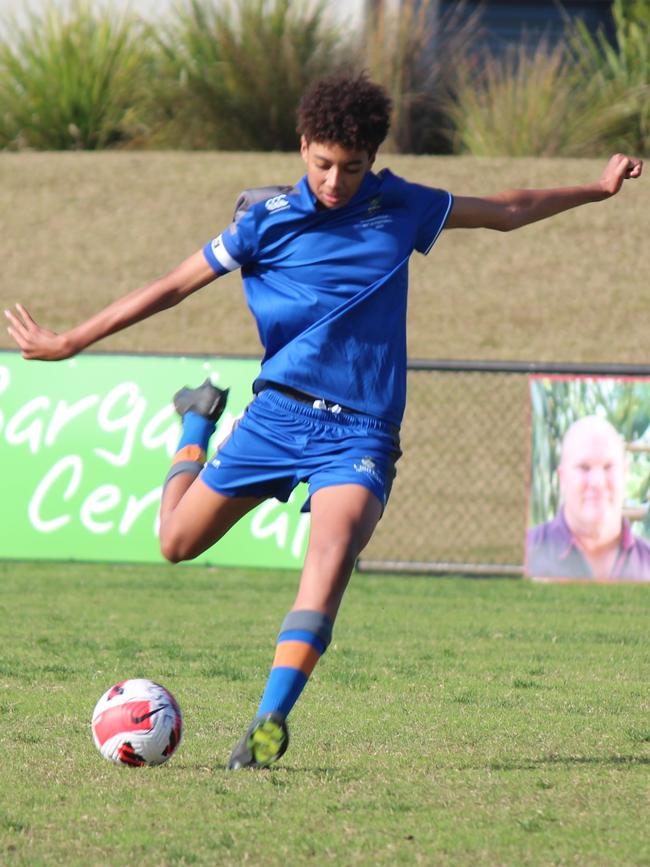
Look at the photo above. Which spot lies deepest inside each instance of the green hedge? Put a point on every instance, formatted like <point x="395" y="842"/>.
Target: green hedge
<point x="228" y="75"/>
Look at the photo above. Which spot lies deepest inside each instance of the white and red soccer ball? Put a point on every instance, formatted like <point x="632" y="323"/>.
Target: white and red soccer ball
<point x="137" y="722"/>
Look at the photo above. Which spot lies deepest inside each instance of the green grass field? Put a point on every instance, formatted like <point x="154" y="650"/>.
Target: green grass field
<point x="452" y="722"/>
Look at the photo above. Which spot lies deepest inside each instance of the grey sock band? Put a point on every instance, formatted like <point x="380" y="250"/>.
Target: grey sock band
<point x="311" y="621"/>
<point x="191" y="467"/>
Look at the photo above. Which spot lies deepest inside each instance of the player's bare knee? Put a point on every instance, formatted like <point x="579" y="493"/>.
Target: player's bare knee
<point x="170" y="552"/>
<point x="173" y="548"/>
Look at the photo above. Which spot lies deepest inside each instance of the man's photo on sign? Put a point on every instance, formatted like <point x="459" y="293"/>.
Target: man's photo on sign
<point x="589" y="480"/>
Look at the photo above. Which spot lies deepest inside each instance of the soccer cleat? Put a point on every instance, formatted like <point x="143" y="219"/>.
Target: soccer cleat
<point x="206" y="400"/>
<point x="265" y="741"/>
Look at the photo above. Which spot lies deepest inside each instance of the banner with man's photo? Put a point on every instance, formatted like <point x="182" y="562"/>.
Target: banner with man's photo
<point x="589" y="479"/>
<point x="85" y="446"/>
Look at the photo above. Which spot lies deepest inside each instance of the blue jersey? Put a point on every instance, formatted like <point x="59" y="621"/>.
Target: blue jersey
<point x="328" y="287"/>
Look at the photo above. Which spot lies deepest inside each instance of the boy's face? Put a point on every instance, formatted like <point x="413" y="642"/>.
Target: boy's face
<point x="334" y="173"/>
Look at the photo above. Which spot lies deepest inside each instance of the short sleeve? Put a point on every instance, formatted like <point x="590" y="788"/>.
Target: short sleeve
<point x="235" y="247"/>
<point x="431" y="207"/>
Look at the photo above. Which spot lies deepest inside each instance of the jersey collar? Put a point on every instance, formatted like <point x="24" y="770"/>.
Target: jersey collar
<point x="369" y="185"/>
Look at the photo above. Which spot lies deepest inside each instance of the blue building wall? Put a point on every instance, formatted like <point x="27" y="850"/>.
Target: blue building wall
<point x="513" y="22"/>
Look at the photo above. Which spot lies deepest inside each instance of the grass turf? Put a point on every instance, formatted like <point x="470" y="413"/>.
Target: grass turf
<point x="452" y="722"/>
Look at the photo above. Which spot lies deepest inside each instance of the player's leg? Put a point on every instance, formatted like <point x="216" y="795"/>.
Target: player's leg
<point x="199" y="518"/>
<point x="192" y="515"/>
<point x="343" y="520"/>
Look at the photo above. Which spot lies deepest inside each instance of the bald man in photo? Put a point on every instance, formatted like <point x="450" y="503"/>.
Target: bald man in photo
<point x="589" y="538"/>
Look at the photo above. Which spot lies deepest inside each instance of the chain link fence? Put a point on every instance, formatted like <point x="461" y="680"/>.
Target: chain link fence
<point x="459" y="501"/>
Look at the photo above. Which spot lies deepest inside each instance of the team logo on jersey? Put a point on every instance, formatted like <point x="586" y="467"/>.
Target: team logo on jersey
<point x="277" y="203"/>
<point x="375" y="217"/>
<point x="374" y="205"/>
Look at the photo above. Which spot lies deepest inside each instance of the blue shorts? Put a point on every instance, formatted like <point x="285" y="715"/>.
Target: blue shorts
<point x="280" y="442"/>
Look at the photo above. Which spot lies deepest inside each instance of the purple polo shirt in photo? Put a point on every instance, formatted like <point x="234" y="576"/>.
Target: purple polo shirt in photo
<point x="552" y="552"/>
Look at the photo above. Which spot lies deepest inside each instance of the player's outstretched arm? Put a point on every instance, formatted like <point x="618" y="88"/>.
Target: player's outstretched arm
<point x="36" y="342"/>
<point x="515" y="208"/>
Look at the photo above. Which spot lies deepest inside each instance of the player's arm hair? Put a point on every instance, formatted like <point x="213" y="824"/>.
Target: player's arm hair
<point x="515" y="208"/>
<point x="36" y="342"/>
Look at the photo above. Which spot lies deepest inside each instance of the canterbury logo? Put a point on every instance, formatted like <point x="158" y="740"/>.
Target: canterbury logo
<point x="276" y="203"/>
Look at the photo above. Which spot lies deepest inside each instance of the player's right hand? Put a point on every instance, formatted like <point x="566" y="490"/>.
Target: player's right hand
<point x="34" y="342"/>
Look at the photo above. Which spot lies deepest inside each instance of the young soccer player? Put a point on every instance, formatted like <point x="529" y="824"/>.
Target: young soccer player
<point x="324" y="265"/>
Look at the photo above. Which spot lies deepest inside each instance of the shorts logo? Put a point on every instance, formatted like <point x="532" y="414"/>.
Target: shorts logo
<point x="367" y="465"/>
<point x="277" y="203"/>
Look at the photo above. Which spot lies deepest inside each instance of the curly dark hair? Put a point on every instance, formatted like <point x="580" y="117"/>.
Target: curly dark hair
<point x="349" y="110"/>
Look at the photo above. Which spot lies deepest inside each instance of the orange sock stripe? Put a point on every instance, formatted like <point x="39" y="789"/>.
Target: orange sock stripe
<point x="190" y="453"/>
<point x="296" y="654"/>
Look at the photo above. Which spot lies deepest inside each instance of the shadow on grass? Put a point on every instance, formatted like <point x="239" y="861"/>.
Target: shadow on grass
<point x="274" y="773"/>
<point x="282" y="774"/>
<point x="568" y="761"/>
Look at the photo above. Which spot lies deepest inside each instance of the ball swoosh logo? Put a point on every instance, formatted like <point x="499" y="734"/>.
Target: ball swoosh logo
<point x="140" y="719"/>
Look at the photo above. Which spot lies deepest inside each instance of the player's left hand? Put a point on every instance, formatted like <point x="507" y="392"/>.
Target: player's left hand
<point x="619" y="168"/>
<point x="34" y="341"/>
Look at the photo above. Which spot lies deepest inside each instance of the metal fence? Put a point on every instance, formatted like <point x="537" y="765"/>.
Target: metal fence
<point x="460" y="498"/>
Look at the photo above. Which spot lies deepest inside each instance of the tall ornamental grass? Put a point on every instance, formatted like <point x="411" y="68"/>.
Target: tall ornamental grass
<point x="413" y="51"/>
<point x="70" y="78"/>
<point x="617" y="77"/>
<point x="228" y="74"/>
<point x="523" y="103"/>
<point x="231" y="73"/>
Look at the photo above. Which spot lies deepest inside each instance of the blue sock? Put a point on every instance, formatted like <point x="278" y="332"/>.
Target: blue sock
<point x="197" y="431"/>
<point x="192" y="446"/>
<point x="304" y="637"/>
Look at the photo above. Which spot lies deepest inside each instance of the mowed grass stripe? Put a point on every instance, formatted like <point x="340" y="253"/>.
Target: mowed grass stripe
<point x="451" y="722"/>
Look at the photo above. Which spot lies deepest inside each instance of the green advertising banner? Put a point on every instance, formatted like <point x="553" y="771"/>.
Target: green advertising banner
<point x="85" y="445"/>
